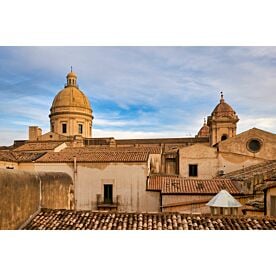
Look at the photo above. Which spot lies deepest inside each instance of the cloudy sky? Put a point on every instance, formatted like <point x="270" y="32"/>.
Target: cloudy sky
<point x="139" y="92"/>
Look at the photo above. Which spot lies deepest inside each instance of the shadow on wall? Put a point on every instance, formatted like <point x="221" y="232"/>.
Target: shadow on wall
<point x="22" y="194"/>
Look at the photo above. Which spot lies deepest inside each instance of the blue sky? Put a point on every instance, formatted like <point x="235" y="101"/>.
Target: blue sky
<point x="139" y="92"/>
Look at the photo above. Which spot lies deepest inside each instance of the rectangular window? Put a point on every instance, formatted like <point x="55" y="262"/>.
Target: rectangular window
<point x="192" y="169"/>
<point x="108" y="193"/>
<point x="80" y="128"/>
<point x="64" y="128"/>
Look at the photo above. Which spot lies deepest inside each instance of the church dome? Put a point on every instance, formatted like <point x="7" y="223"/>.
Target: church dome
<point x="71" y="112"/>
<point x="223" y="110"/>
<point x="204" y="131"/>
<point x="71" y="97"/>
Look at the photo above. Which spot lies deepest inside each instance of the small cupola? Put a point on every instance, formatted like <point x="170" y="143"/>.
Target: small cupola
<point x="71" y="79"/>
<point x="204" y="131"/>
<point x="224" y="203"/>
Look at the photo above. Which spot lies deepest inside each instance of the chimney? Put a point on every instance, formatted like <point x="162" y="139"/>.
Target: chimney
<point x="34" y="133"/>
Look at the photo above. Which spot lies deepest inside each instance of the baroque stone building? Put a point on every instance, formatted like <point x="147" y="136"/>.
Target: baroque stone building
<point x="140" y="174"/>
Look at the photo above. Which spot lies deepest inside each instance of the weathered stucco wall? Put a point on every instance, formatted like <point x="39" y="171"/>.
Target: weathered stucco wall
<point x="19" y="197"/>
<point x="186" y="203"/>
<point x="239" y="144"/>
<point x="232" y="154"/>
<point x="229" y="162"/>
<point x="26" y="166"/>
<point x="204" y="156"/>
<point x="23" y="193"/>
<point x="56" y="190"/>
<point x="155" y="163"/>
<point x="7" y="164"/>
<point x="128" y="180"/>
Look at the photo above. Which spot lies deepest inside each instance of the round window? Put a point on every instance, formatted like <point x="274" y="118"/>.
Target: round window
<point x="254" y="145"/>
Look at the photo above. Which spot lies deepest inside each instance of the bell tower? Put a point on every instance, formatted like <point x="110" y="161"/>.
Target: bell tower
<point x="222" y="122"/>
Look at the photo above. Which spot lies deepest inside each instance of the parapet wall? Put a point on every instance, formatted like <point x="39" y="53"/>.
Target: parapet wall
<point x="22" y="194"/>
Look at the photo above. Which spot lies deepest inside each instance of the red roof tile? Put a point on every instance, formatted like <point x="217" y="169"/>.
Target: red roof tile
<point x="21" y="156"/>
<point x="38" y="146"/>
<point x="88" y="220"/>
<point x="248" y="172"/>
<point x="87" y="149"/>
<point x="181" y="185"/>
<point x="94" y="156"/>
<point x="7" y="156"/>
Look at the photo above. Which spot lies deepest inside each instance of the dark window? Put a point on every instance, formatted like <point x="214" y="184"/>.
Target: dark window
<point x="64" y="128"/>
<point x="192" y="170"/>
<point x="80" y="128"/>
<point x="254" y="145"/>
<point x="108" y="193"/>
<point x="223" y="137"/>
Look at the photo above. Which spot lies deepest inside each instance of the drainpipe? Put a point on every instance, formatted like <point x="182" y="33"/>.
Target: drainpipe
<point x="75" y="177"/>
<point x="265" y="207"/>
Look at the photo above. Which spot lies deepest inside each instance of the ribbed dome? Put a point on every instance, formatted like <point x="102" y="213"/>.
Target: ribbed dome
<point x="71" y="96"/>
<point x="223" y="110"/>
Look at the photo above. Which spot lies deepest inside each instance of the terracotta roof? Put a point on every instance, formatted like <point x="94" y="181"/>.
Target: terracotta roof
<point x="181" y="185"/>
<point x="12" y="156"/>
<point x="87" y="149"/>
<point x="38" y="146"/>
<point x="27" y="156"/>
<point x="248" y="172"/>
<point x="7" y="156"/>
<point x="87" y="220"/>
<point x="94" y="156"/>
<point x="149" y="141"/>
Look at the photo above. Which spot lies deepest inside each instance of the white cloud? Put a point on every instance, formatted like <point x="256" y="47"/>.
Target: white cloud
<point x="179" y="85"/>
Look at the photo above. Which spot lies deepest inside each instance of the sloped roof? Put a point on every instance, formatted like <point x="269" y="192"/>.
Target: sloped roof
<point x="38" y="146"/>
<point x="248" y="172"/>
<point x="181" y="185"/>
<point x="7" y="156"/>
<point x="94" y="156"/>
<point x="48" y="219"/>
<point x="223" y="199"/>
<point x="87" y="149"/>
<point x="12" y="156"/>
<point x="27" y="156"/>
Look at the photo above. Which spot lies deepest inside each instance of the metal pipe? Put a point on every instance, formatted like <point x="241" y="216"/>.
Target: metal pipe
<point x="74" y="182"/>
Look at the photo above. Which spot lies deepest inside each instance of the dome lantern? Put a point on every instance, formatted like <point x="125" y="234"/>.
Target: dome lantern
<point x="71" y="79"/>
